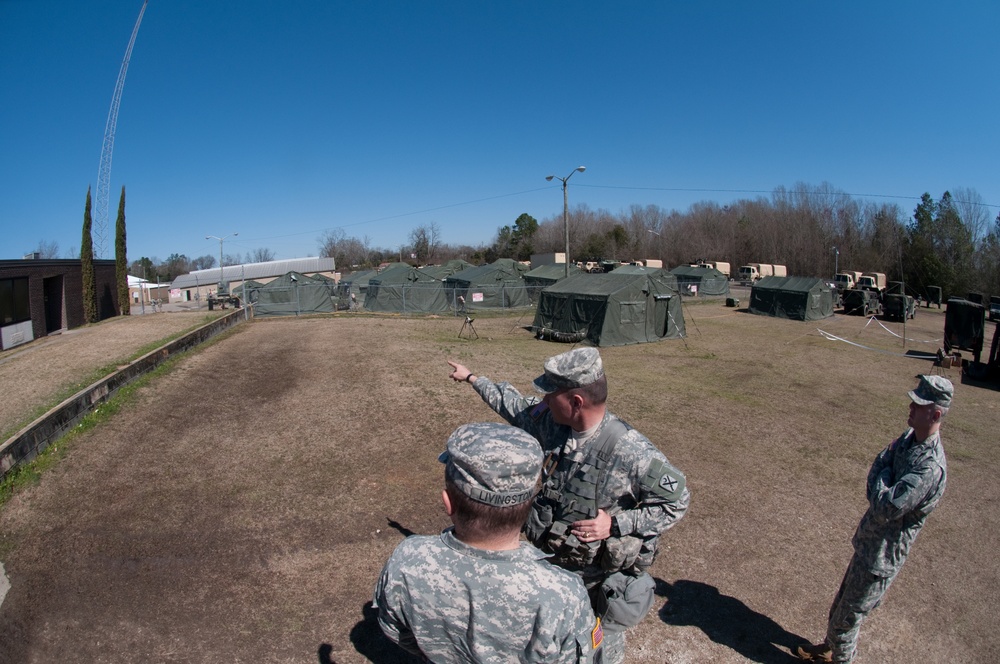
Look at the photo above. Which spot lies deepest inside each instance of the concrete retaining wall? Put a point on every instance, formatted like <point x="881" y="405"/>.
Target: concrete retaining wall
<point x="25" y="445"/>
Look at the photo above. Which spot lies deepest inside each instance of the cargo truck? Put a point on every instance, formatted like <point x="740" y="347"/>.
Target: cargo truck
<point x="721" y="266"/>
<point x="872" y="281"/>
<point x="756" y="271"/>
<point x="847" y="279"/>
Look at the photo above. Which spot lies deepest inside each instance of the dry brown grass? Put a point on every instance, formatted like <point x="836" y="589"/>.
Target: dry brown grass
<point x="243" y="506"/>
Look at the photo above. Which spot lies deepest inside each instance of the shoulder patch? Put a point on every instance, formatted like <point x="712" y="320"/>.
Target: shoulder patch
<point x="597" y="635"/>
<point x="664" y="480"/>
<point x="538" y="410"/>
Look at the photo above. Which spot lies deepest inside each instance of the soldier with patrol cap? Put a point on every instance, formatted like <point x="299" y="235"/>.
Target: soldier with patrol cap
<point x="607" y="493"/>
<point x="905" y="484"/>
<point x="476" y="592"/>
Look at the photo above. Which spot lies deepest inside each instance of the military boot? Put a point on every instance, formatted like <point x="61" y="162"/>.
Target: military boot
<point x="814" y="653"/>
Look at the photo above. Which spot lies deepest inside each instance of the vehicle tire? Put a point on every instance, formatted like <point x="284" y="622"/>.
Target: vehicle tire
<point x="865" y="310"/>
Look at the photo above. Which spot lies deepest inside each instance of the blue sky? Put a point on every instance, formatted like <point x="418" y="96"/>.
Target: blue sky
<point x="283" y="120"/>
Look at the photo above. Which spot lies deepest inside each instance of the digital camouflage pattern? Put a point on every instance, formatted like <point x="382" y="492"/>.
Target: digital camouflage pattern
<point x="493" y="463"/>
<point x="570" y="370"/>
<point x="905" y="484"/>
<point x="933" y="389"/>
<point x="452" y="602"/>
<point x="639" y="487"/>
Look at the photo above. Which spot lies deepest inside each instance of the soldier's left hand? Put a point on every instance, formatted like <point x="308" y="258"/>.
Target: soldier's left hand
<point x="592" y="530"/>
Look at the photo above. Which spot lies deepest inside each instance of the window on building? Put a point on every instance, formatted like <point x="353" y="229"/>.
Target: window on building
<point x="14" y="301"/>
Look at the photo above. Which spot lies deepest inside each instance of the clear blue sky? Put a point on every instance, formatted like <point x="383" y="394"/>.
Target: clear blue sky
<point x="281" y="120"/>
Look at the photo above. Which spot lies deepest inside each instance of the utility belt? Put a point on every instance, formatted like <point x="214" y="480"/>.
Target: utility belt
<point x="628" y="553"/>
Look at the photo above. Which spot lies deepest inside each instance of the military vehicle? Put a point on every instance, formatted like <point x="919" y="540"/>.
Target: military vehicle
<point x="861" y="302"/>
<point x="896" y="306"/>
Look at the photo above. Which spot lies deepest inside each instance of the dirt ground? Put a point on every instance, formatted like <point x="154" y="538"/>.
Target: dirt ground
<point x="241" y="507"/>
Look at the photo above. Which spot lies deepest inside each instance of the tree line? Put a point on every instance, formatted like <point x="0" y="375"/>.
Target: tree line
<point x="949" y="242"/>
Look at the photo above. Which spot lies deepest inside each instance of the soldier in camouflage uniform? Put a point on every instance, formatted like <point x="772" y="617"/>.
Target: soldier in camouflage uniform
<point x="905" y="484"/>
<point x="607" y="494"/>
<point x="477" y="593"/>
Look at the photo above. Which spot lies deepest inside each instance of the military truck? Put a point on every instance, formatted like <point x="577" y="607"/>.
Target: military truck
<point x="994" y="307"/>
<point x="897" y="306"/>
<point x="721" y="266"/>
<point x="847" y="279"/>
<point x="222" y="297"/>
<point x="861" y="302"/>
<point x="872" y="281"/>
<point x="756" y="271"/>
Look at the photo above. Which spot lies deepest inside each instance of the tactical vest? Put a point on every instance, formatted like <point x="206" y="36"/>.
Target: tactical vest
<point x="569" y="494"/>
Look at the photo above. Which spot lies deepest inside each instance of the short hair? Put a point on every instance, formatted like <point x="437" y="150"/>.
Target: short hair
<point x="941" y="409"/>
<point x="595" y="393"/>
<point x="476" y="519"/>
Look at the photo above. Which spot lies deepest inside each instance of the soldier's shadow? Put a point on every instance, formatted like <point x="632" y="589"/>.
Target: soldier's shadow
<point x="368" y="640"/>
<point x="727" y="621"/>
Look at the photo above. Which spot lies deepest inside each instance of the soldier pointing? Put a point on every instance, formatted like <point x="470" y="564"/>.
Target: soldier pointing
<point x="608" y="493"/>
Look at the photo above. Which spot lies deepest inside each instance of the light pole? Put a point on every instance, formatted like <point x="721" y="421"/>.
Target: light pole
<point x="836" y="262"/>
<point x="566" y="206"/>
<point x="220" y="239"/>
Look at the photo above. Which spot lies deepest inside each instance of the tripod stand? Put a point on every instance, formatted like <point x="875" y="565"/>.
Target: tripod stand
<point x="468" y="324"/>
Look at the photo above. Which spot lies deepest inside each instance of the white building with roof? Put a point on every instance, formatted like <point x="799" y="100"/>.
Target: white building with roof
<point x="198" y="284"/>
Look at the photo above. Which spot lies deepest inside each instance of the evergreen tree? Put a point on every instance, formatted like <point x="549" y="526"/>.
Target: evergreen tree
<point x="87" y="267"/>
<point x="121" y="262"/>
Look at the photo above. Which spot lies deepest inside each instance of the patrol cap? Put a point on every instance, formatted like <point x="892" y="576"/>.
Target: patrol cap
<point x="569" y="370"/>
<point x="492" y="463"/>
<point x="933" y="389"/>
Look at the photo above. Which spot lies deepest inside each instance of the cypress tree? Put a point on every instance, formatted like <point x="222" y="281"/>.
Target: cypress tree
<point x="121" y="263"/>
<point x="87" y="267"/>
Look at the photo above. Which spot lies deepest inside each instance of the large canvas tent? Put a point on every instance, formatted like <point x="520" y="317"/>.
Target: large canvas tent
<point x="796" y="298"/>
<point x="355" y="284"/>
<point x="499" y="284"/>
<point x="405" y="289"/>
<point x="613" y="309"/>
<point x="545" y="275"/>
<point x="446" y="270"/>
<point x="701" y="280"/>
<point x="293" y="294"/>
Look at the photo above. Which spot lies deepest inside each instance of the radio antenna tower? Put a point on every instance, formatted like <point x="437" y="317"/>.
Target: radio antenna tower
<point x="104" y="175"/>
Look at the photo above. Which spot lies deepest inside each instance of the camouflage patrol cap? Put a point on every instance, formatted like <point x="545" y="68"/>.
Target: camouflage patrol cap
<point x="933" y="389"/>
<point x="569" y="370"/>
<point x="492" y="463"/>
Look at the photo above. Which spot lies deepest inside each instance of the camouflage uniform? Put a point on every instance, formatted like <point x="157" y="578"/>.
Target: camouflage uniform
<point x="449" y="601"/>
<point x="455" y="603"/>
<point x="637" y="485"/>
<point x="905" y="484"/>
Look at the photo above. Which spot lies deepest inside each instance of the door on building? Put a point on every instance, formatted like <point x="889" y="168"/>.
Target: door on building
<point x="53" y="290"/>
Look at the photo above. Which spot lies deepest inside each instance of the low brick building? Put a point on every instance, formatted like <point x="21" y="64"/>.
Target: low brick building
<point x="42" y="296"/>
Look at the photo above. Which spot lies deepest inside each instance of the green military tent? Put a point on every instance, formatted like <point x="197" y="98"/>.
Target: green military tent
<point x="247" y="291"/>
<point x="499" y="284"/>
<point x="405" y="289"/>
<point x="538" y="278"/>
<point x="446" y="270"/>
<point x="796" y="298"/>
<point x="613" y="309"/>
<point x="293" y="294"/>
<point x="700" y="280"/>
<point x="352" y="288"/>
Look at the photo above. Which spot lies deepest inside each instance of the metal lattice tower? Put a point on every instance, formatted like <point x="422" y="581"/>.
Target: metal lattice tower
<point x="104" y="175"/>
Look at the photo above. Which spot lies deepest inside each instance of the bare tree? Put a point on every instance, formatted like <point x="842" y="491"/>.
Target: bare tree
<point x="47" y="249"/>
<point x="261" y="255"/>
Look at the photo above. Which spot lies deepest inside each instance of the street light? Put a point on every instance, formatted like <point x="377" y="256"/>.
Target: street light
<point x="220" y="239"/>
<point x="836" y="262"/>
<point x="566" y="207"/>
